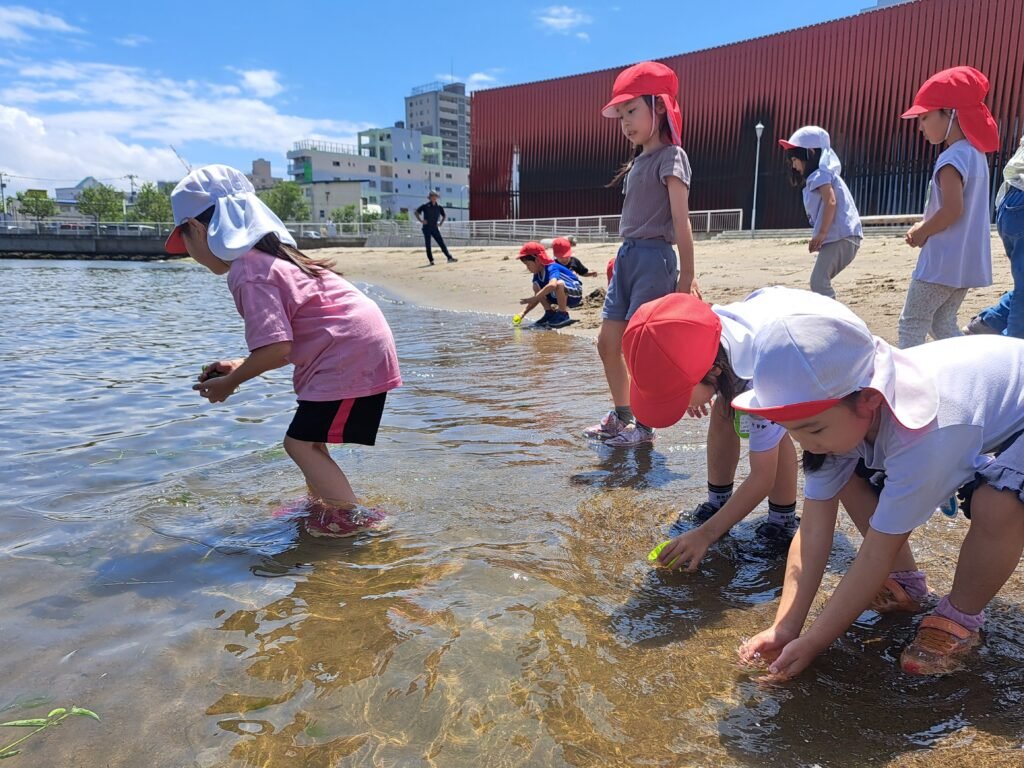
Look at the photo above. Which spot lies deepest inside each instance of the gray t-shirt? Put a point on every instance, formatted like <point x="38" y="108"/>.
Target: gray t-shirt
<point x="646" y="214"/>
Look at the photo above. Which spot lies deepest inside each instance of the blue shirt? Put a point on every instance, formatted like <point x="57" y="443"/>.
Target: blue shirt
<point x="846" y="223"/>
<point x="573" y="286"/>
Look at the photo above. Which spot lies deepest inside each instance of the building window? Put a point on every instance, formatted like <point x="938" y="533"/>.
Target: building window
<point x="371" y="168"/>
<point x="336" y="163"/>
<point x="321" y="213"/>
<point x="447" y="175"/>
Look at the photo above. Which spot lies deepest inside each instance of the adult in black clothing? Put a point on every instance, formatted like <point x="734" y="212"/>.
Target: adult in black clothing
<point x="431" y="216"/>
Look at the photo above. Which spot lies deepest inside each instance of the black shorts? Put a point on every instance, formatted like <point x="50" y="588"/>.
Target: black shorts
<point x="355" y="420"/>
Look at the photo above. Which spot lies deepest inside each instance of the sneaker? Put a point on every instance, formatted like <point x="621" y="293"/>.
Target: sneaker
<point x="893" y="598"/>
<point x="704" y="512"/>
<point x="430" y="263"/>
<point x="559" y="320"/>
<point x="940" y="645"/>
<point x="776" y="537"/>
<point x="631" y="436"/>
<point x="610" y="426"/>
<point x="452" y="259"/>
<point x="544" y="319"/>
<point x="977" y="327"/>
<point x="342" y="523"/>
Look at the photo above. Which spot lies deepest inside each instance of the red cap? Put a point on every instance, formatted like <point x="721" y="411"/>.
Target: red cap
<point x="963" y="89"/>
<point x="561" y="246"/>
<point x="648" y="78"/>
<point x="175" y="244"/>
<point x="670" y="344"/>
<point x="535" y="249"/>
<point x="610" y="268"/>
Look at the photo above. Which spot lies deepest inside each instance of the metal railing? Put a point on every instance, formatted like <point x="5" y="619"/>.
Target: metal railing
<point x="584" y="228"/>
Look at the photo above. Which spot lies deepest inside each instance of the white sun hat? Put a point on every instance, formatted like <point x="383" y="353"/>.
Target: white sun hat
<point x="814" y="137"/>
<point x="240" y="218"/>
<point x="805" y="364"/>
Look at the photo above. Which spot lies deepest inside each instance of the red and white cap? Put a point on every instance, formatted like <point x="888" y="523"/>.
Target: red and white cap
<point x="963" y="89"/>
<point x="649" y="78"/>
<point x="240" y="218"/>
<point x="535" y="249"/>
<point x="805" y="364"/>
<point x="670" y="345"/>
<point x="814" y="137"/>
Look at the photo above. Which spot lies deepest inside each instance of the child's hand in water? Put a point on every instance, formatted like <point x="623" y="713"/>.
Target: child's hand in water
<point x="764" y="647"/>
<point x="794" y="658"/>
<point x="688" y="547"/>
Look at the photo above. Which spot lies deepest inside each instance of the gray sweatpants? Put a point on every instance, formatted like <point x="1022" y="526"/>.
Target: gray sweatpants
<point x="832" y="259"/>
<point x="929" y="307"/>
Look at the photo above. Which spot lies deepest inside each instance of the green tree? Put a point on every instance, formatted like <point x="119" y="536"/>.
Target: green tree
<point x="102" y="202"/>
<point x="287" y="200"/>
<point x="344" y="214"/>
<point x="150" y="205"/>
<point x="402" y="216"/>
<point x="37" y="206"/>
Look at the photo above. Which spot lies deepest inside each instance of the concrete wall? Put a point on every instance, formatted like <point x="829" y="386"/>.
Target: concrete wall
<point x="127" y="248"/>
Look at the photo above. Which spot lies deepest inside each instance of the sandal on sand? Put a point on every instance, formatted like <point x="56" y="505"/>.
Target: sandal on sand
<point x="893" y="598"/>
<point x="938" y="648"/>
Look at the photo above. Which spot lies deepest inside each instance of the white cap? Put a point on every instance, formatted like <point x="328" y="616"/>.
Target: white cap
<point x="240" y="218"/>
<point x="815" y="137"/>
<point x="805" y="364"/>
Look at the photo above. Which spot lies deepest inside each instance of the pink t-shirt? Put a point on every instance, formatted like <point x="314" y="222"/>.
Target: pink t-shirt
<point x="342" y="346"/>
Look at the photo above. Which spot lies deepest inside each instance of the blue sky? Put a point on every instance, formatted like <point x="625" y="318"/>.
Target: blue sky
<point x="103" y="88"/>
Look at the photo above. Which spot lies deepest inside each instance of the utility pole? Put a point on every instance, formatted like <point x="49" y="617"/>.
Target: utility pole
<point x="131" y="180"/>
<point x="3" y="198"/>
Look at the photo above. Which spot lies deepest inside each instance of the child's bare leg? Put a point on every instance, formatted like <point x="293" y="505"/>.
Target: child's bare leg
<point x="563" y="299"/>
<point x="723" y="445"/>
<point x="859" y="501"/>
<point x="609" y="347"/>
<point x="324" y="478"/>
<point x="991" y="549"/>
<point x="784" y="489"/>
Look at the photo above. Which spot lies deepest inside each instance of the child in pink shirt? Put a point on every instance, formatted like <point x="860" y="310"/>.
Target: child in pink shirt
<point x="295" y="312"/>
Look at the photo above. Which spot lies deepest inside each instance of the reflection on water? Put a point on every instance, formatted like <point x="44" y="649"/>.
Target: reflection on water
<point x="507" y="617"/>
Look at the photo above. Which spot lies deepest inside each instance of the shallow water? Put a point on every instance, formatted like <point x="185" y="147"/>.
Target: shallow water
<point x="507" y="617"/>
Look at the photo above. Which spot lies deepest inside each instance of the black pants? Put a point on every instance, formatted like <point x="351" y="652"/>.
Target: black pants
<point x="431" y="231"/>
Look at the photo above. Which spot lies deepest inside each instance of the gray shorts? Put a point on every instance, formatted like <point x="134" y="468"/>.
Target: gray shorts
<point x="645" y="270"/>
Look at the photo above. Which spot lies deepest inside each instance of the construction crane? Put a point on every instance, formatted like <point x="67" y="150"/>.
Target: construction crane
<point x="188" y="168"/>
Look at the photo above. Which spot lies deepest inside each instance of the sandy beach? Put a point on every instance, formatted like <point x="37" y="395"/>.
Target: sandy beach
<point x="491" y="280"/>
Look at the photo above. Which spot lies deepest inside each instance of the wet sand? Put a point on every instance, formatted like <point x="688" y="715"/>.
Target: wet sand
<point x="490" y="280"/>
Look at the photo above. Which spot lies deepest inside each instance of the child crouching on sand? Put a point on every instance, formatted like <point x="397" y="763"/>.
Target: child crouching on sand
<point x="557" y="289"/>
<point x="296" y="313"/>
<point x="934" y="420"/>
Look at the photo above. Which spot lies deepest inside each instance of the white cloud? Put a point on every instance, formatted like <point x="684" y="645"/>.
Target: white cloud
<point x="62" y="120"/>
<point x="15" y="20"/>
<point x="476" y="81"/>
<point x="260" y="82"/>
<point x="562" y="19"/>
<point x="132" y="41"/>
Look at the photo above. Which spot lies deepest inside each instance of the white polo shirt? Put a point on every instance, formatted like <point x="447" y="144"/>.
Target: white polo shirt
<point x="980" y="382"/>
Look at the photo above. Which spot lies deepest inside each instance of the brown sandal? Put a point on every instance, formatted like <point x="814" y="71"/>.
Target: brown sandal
<point x="938" y="648"/>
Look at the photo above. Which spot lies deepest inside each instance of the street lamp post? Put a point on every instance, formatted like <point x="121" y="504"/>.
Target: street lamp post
<point x="758" y="129"/>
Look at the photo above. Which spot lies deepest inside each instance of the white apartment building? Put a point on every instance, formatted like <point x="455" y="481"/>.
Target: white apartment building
<point x="396" y="168"/>
<point x="443" y="109"/>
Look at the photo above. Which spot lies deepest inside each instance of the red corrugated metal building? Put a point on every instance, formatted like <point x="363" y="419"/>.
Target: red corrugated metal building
<point x="853" y="77"/>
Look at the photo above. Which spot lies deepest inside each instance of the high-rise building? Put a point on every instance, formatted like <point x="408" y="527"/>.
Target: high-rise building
<point x="396" y="167"/>
<point x="442" y="109"/>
